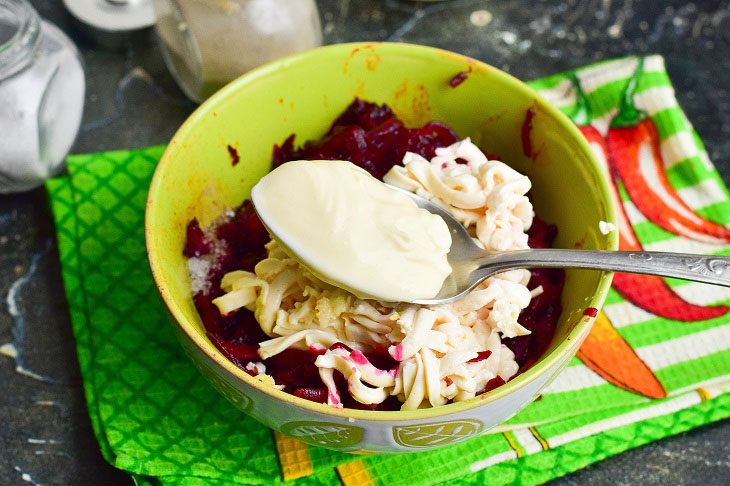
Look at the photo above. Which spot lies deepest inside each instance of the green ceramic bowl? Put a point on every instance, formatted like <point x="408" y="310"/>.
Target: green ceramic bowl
<point x="303" y="94"/>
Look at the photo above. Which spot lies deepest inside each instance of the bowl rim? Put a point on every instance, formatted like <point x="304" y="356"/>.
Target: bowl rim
<point x="546" y="361"/>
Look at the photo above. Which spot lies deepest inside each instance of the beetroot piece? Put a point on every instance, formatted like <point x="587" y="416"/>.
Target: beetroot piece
<point x="241" y="327"/>
<point x="339" y="345"/>
<point x="196" y="243"/>
<point x="244" y="236"/>
<point x="541" y="234"/>
<point x="381" y="359"/>
<point x="283" y="153"/>
<point x="363" y="114"/>
<point x="493" y="383"/>
<point x="481" y="356"/>
<point x="526" y="131"/>
<point x="458" y="79"/>
<point x="238" y="327"/>
<point x="294" y="368"/>
<point x="390" y="403"/>
<point x="314" y="394"/>
<point x="372" y="137"/>
<point x="525" y="367"/>
<point x="235" y="158"/>
<point x="208" y="312"/>
<point x="239" y="354"/>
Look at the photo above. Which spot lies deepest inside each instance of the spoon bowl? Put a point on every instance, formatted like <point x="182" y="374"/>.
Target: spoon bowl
<point x="470" y="264"/>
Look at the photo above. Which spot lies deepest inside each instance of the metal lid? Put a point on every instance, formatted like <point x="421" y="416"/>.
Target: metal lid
<point x="113" y="15"/>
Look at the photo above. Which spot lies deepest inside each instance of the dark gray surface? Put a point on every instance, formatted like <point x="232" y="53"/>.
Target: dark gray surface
<point x="133" y="102"/>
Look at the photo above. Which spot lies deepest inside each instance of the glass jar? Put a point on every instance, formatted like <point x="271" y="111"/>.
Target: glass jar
<point x="207" y="43"/>
<point x="41" y="97"/>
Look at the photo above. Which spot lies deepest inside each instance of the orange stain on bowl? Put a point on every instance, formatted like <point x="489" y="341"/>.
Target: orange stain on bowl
<point x="371" y="60"/>
<point x="359" y="91"/>
<point x="401" y="91"/>
<point x="413" y="107"/>
<point x="421" y="105"/>
<point x="468" y="62"/>
<point x="491" y="119"/>
<point x="349" y="58"/>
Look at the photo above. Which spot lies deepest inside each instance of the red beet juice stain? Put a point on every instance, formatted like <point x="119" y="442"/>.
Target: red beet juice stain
<point x="526" y="130"/>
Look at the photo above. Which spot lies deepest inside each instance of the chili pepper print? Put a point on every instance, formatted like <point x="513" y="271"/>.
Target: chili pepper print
<point x="635" y="155"/>
<point x="604" y="350"/>
<point x="654" y="295"/>
<point x="627" y="238"/>
<point x="636" y="158"/>
<point x="647" y="292"/>
<point x="608" y="354"/>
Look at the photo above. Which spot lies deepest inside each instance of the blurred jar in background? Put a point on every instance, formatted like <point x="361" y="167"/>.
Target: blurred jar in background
<point x="42" y="89"/>
<point x="207" y="43"/>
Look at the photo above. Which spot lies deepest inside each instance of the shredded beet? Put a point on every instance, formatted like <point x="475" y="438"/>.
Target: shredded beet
<point x="493" y="383"/>
<point x="481" y="356"/>
<point x="240" y="354"/>
<point x="244" y="236"/>
<point x="196" y="243"/>
<point x="339" y="345"/>
<point x="372" y="137"/>
<point x="235" y="159"/>
<point x="390" y="403"/>
<point x="313" y="394"/>
<point x="526" y="131"/>
<point x="458" y="79"/>
<point x="380" y="358"/>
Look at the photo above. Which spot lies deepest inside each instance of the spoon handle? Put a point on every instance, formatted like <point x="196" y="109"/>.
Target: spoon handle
<point x="700" y="268"/>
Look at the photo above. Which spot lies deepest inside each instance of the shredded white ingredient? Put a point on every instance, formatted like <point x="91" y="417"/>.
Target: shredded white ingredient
<point x="268" y="380"/>
<point x="256" y="366"/>
<point x="537" y="291"/>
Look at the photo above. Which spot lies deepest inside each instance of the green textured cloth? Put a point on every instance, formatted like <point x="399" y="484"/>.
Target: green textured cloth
<point x="155" y="416"/>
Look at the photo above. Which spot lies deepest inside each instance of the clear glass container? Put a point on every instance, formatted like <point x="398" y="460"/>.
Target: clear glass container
<point x="42" y="89"/>
<point x="207" y="43"/>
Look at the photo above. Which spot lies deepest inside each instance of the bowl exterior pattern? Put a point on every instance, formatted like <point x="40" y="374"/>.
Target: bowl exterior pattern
<point x="303" y="94"/>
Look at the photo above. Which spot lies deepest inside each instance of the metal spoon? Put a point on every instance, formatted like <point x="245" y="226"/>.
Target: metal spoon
<point x="471" y="264"/>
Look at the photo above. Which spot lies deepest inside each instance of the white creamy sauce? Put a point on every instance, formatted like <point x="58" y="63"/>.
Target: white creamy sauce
<point x="353" y="231"/>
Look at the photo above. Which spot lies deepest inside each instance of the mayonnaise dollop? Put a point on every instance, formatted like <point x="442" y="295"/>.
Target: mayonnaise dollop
<point x="353" y="231"/>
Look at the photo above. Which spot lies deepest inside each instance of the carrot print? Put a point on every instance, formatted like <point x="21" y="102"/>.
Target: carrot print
<point x="608" y="354"/>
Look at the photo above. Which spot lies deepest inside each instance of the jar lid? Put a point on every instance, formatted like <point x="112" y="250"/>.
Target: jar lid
<point x="107" y="20"/>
